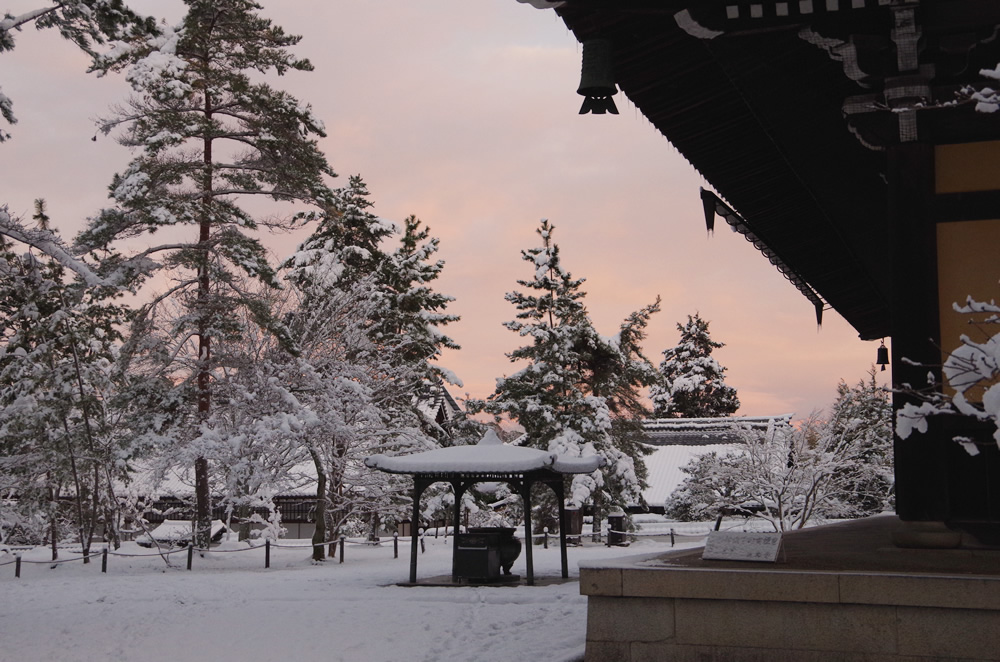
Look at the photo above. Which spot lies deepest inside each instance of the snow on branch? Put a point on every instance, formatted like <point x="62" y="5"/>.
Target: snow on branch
<point x="973" y="306"/>
<point x="969" y="368"/>
<point x="15" y="22"/>
<point x="52" y="245"/>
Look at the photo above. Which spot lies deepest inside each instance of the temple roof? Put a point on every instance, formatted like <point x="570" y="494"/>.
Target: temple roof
<point x="758" y="97"/>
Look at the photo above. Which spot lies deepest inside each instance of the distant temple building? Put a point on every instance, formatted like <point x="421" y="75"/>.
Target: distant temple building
<point x="680" y="441"/>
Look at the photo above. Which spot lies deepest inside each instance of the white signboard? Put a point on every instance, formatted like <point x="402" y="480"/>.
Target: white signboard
<point x="741" y="546"/>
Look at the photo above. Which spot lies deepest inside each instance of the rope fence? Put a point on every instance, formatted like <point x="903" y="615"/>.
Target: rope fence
<point x="606" y="534"/>
<point x="190" y="549"/>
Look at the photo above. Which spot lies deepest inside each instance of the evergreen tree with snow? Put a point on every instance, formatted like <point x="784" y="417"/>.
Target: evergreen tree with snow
<point x="861" y="417"/>
<point x="576" y="383"/>
<point x="346" y="244"/>
<point x="349" y="247"/>
<point x="208" y="137"/>
<point x="415" y="312"/>
<point x="711" y="485"/>
<point x="691" y="382"/>
<point x="60" y="437"/>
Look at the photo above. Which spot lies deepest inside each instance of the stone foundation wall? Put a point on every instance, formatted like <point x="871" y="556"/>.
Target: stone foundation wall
<point x="642" y="614"/>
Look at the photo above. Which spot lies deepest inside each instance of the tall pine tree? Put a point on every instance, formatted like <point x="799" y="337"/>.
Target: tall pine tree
<point x="576" y="383"/>
<point x="691" y="382"/>
<point x="208" y="136"/>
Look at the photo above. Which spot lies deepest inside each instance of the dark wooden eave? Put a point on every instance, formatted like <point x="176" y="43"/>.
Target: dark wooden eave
<point x="758" y="111"/>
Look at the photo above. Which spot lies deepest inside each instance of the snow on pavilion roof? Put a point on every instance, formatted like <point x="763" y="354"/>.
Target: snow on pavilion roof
<point x="542" y="4"/>
<point x="490" y="455"/>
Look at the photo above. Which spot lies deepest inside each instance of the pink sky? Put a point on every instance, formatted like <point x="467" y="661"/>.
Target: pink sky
<point x="464" y="112"/>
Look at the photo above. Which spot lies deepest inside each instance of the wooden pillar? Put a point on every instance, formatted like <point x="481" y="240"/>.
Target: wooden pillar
<point x="922" y="492"/>
<point x="560" y="489"/>
<point x="419" y="485"/>
<point x="458" y="488"/>
<point x="526" y="500"/>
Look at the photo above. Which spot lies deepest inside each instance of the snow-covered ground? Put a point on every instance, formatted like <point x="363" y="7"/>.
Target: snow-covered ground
<point x="229" y="607"/>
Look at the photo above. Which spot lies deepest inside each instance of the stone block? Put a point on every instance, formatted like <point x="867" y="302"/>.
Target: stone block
<point x="629" y="619"/>
<point x="607" y="651"/>
<point x="949" y="633"/>
<point x="601" y="581"/>
<point x="921" y="590"/>
<point x="787" y="625"/>
<point x="658" y="652"/>
<point x="732" y="585"/>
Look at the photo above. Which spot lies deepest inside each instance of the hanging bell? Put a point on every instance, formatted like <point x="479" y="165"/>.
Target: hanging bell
<point x="883" y="356"/>
<point x="597" y="78"/>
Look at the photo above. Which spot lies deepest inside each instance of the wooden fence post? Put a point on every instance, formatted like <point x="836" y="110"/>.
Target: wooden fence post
<point x="267" y="553"/>
<point x="342" y="537"/>
<point x="190" y="554"/>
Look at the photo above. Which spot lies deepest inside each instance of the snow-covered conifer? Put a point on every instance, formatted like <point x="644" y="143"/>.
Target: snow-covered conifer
<point x="691" y="383"/>
<point x="346" y="244"/>
<point x="414" y="310"/>
<point x="60" y="433"/>
<point x="710" y="486"/>
<point x="576" y="383"/>
<point x="861" y="417"/>
<point x="209" y="135"/>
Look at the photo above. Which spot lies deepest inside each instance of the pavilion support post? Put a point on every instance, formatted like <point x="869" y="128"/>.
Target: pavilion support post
<point x="528" y="543"/>
<point x="560" y="489"/>
<point x="458" y="488"/>
<point x="419" y="486"/>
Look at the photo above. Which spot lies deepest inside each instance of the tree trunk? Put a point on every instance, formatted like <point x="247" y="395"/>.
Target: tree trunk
<point x="201" y="489"/>
<point x="319" y="535"/>
<point x="243" y="513"/>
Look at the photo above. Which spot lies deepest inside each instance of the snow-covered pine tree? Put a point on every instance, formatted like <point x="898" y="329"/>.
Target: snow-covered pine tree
<point x="413" y="313"/>
<point x="565" y="397"/>
<point x="346" y="244"/>
<point x="691" y="382"/>
<point x="58" y="432"/>
<point x="861" y="417"/>
<point x="209" y="136"/>
<point x="711" y="486"/>
<point x="414" y="310"/>
<point x="87" y="23"/>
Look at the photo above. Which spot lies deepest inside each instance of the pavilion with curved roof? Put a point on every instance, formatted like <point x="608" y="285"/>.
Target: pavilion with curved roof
<point x="490" y="460"/>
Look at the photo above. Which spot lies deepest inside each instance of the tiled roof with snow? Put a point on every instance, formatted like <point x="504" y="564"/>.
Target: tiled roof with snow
<point x="702" y="431"/>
